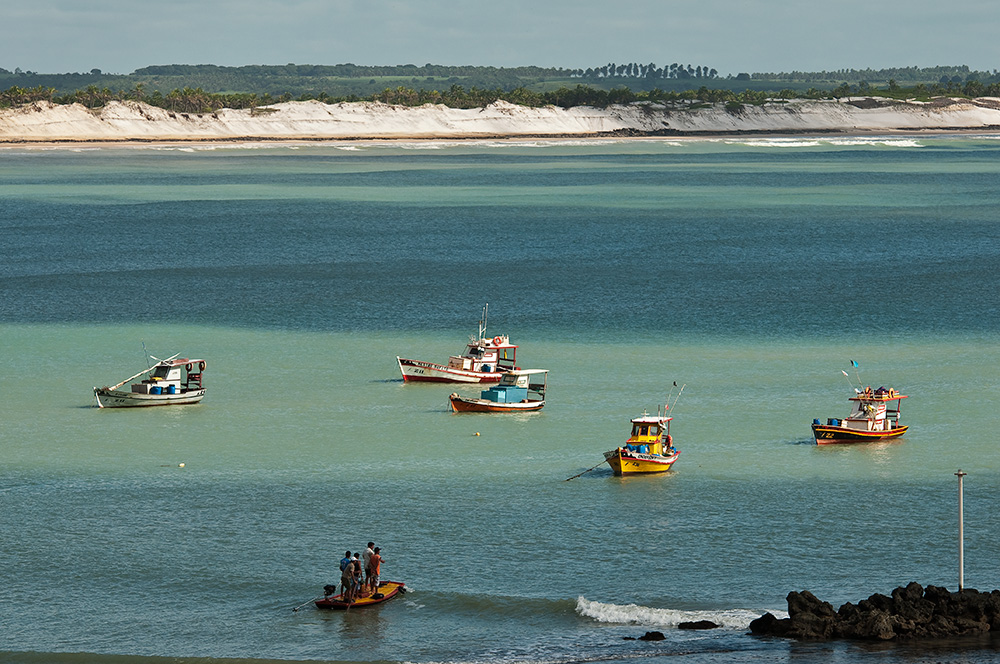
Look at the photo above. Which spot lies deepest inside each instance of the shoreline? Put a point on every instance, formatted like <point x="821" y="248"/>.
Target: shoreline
<point x="993" y="131"/>
<point x="136" y="123"/>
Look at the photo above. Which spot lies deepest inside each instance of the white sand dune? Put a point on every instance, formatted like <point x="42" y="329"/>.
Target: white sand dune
<point x="313" y="120"/>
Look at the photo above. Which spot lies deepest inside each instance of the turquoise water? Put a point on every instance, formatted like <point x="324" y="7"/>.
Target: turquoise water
<point x="749" y="271"/>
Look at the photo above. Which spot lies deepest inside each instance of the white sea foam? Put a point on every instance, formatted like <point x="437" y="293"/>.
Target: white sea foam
<point x="633" y="614"/>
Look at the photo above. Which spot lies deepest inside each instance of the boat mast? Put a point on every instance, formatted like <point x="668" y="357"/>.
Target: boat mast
<point x="482" y="322"/>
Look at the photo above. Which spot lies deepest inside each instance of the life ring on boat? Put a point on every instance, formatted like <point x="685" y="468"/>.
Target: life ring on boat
<point x="497" y="341"/>
<point x="188" y="367"/>
<point x="201" y="365"/>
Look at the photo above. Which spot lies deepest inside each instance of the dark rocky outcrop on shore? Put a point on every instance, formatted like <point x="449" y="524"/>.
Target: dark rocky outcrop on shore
<point x="913" y="612"/>
<point x="698" y="624"/>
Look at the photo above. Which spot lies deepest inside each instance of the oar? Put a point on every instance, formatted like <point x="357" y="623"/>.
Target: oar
<point x="583" y="473"/>
<point x="305" y="603"/>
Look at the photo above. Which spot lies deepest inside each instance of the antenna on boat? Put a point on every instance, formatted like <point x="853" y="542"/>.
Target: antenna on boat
<point x="847" y="377"/>
<point x="145" y="353"/>
<point x="856" y="375"/>
<point x="669" y="394"/>
<point x="482" y="322"/>
<point x="678" y="395"/>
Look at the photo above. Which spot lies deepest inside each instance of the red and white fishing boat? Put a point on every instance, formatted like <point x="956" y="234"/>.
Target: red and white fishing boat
<point x="172" y="382"/>
<point x="871" y="419"/>
<point x="485" y="360"/>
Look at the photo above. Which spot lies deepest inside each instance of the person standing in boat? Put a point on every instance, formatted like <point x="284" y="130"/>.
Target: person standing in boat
<point x="344" y="562"/>
<point x="346" y="576"/>
<point x="376" y="569"/>
<point x="366" y="559"/>
<point x="356" y="577"/>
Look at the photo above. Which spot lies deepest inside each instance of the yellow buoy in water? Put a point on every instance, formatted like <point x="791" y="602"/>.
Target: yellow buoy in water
<point x="180" y="465"/>
<point x="476" y="434"/>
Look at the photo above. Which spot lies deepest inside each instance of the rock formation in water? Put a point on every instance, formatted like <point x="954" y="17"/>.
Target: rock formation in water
<point x="912" y="612"/>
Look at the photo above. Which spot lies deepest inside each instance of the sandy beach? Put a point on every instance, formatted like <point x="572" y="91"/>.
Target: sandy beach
<point x="129" y="121"/>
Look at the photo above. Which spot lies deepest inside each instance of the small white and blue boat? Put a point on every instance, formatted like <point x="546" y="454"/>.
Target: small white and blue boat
<point x="171" y="382"/>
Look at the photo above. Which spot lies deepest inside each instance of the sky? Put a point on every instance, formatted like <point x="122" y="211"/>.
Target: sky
<point x="731" y="36"/>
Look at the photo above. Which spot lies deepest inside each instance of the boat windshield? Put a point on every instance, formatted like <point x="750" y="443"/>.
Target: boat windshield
<point x="514" y="379"/>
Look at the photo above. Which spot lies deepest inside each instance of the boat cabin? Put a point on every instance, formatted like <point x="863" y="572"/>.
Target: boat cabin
<point x="496" y="354"/>
<point x="172" y="377"/>
<point x="870" y="411"/>
<point x="518" y="385"/>
<point x="650" y="435"/>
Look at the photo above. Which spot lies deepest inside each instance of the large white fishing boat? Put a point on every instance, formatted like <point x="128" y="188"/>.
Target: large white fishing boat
<point x="485" y="360"/>
<point x="171" y="382"/>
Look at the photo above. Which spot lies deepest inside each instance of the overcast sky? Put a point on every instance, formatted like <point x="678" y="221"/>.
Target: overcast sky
<point x="731" y="36"/>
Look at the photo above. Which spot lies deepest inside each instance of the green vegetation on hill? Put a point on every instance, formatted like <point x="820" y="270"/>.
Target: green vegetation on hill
<point x="204" y="88"/>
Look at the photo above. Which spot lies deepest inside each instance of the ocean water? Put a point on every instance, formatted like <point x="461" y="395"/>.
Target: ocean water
<point x="750" y="272"/>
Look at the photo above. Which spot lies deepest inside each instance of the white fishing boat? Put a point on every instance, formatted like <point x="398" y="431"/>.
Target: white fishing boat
<point x="171" y="382"/>
<point x="485" y="360"/>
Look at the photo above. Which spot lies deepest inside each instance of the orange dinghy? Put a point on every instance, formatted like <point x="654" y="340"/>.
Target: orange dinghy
<point x="386" y="591"/>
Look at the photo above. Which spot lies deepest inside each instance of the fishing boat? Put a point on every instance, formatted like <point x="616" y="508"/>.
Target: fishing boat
<point x="171" y="382"/>
<point x="386" y="591"/>
<point x="871" y="419"/>
<point x="649" y="449"/>
<point x="519" y="391"/>
<point x="484" y="361"/>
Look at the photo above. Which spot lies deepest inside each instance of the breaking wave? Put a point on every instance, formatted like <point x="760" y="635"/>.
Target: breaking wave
<point x="633" y="614"/>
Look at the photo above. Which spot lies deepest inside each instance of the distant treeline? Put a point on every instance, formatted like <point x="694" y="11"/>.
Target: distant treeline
<point x="197" y="100"/>
<point x="206" y="88"/>
<point x="943" y="75"/>
<point x="346" y="80"/>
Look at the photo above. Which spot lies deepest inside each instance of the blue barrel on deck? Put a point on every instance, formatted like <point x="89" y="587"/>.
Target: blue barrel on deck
<point x="833" y="421"/>
<point x="156" y="390"/>
<point x="816" y="421"/>
<point x="171" y="389"/>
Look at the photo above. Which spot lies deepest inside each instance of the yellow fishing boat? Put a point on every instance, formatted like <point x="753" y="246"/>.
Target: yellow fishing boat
<point x="649" y="449"/>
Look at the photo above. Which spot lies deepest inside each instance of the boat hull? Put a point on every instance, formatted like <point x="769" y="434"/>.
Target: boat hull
<point x="828" y="434"/>
<point x="464" y="405"/>
<point x="637" y="463"/>
<point x="121" y="399"/>
<point x="388" y="590"/>
<point x="416" y="371"/>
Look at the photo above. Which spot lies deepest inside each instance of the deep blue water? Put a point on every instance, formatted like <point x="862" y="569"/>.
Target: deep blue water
<point x="750" y="272"/>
